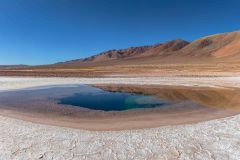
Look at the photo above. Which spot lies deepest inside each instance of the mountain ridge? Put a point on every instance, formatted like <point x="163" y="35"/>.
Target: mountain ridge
<point x="215" y="47"/>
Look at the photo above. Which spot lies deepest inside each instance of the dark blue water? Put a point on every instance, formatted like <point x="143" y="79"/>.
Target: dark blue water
<point x="97" y="99"/>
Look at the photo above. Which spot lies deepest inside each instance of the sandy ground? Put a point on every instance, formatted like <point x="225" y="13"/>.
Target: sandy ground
<point x="215" y="139"/>
<point x="138" y="68"/>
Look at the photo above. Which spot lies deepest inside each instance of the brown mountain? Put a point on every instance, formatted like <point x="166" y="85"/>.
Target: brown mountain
<point x="215" y="48"/>
<point x="213" y="55"/>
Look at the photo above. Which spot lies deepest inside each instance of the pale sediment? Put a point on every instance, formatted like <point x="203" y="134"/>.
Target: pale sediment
<point x="216" y="139"/>
<point x="8" y="83"/>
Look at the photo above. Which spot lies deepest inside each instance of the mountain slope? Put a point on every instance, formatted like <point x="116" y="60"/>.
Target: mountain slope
<point x="218" y="45"/>
<point x="213" y="48"/>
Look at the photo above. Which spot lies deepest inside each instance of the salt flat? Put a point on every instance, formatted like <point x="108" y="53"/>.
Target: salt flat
<point x="215" y="139"/>
<point x="8" y="83"/>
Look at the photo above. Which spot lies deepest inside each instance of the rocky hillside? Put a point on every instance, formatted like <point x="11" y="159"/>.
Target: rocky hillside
<point x="218" y="47"/>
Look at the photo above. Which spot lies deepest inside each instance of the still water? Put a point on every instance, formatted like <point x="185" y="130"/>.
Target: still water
<point x="98" y="99"/>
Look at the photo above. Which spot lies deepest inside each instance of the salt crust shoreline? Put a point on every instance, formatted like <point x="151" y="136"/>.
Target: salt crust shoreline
<point x="12" y="83"/>
<point x="215" y="139"/>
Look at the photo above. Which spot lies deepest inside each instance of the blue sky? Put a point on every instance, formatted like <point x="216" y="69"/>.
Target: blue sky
<point x="47" y="31"/>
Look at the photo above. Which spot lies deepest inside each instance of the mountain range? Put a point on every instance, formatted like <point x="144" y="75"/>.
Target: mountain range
<point x="223" y="47"/>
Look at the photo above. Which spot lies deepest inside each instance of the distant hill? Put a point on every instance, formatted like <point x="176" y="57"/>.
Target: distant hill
<point x="13" y="66"/>
<point x="212" y="55"/>
<point x="223" y="47"/>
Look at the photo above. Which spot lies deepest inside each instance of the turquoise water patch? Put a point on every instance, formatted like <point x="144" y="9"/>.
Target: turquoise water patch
<point x="98" y="99"/>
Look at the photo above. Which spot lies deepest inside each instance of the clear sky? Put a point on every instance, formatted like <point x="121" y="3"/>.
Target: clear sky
<point x="47" y="31"/>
